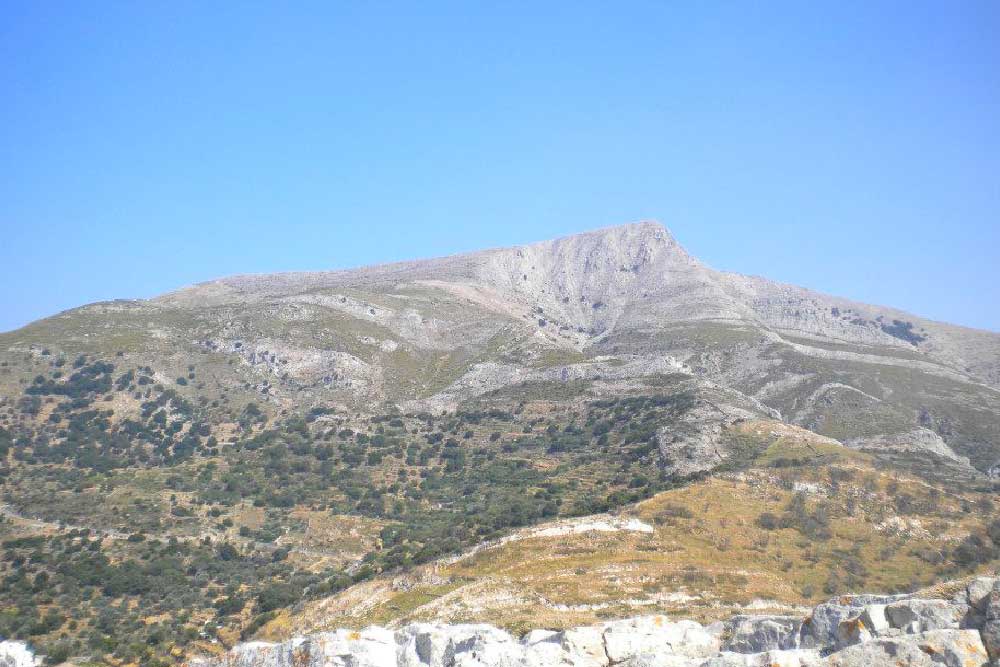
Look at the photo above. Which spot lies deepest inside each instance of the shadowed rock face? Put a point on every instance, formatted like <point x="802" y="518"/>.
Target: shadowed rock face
<point x="851" y="631"/>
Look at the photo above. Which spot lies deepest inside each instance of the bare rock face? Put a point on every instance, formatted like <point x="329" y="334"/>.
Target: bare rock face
<point x="851" y="631"/>
<point x="919" y="440"/>
<point x="756" y="634"/>
<point x="989" y="606"/>
<point x="633" y="277"/>
<point x="16" y="654"/>
<point x="952" y="648"/>
<point x="619" y="276"/>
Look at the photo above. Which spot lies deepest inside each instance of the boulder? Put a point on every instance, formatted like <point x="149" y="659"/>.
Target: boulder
<point x="253" y="654"/>
<point x="756" y="634"/>
<point x="935" y="648"/>
<point x="660" y="660"/>
<point x="869" y="623"/>
<point x="437" y="645"/>
<point x="489" y="650"/>
<point x="579" y="647"/>
<point x="977" y="593"/>
<point x="372" y="647"/>
<point x="547" y="647"/>
<point x="424" y="644"/>
<point x="990" y="630"/>
<point x="820" y="628"/>
<point x="16" y="654"/>
<point x="656" y="635"/>
<point x="916" y="615"/>
<point x="790" y="658"/>
<point x="991" y="639"/>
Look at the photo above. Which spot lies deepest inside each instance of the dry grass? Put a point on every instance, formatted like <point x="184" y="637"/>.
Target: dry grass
<point x="706" y="558"/>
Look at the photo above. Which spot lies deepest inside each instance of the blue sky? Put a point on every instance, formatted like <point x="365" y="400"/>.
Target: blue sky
<point x="850" y="147"/>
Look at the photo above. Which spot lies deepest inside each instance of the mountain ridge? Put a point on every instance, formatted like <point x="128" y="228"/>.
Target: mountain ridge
<point x="652" y="226"/>
<point x="435" y="332"/>
<point x="259" y="453"/>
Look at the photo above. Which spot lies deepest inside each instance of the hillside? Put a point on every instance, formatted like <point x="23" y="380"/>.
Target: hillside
<point x="436" y="440"/>
<point x="429" y="334"/>
<point x="798" y="519"/>
<point x="954" y="625"/>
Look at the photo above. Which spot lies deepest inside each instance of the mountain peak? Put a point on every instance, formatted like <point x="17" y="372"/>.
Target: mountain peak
<point x="642" y="229"/>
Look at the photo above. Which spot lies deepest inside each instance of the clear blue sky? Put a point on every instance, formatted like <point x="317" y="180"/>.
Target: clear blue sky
<point x="851" y="147"/>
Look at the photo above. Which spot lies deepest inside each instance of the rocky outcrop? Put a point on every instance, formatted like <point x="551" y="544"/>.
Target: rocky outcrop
<point x="850" y="631"/>
<point x="16" y="654"/>
<point x="918" y="440"/>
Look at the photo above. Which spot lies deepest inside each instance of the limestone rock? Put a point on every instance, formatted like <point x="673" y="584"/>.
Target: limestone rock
<point x="920" y="615"/>
<point x="977" y="593"/>
<point x="432" y="645"/>
<point x="756" y="634"/>
<point x="991" y="639"/>
<point x="655" y="635"/>
<point x="849" y="631"/>
<point x="991" y="624"/>
<point x="790" y="658"/>
<point x="578" y="647"/>
<point x="950" y="648"/>
<point x="821" y="628"/>
<point x="16" y="654"/>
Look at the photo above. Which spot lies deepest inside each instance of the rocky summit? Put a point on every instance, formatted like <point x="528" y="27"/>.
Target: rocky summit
<point x="422" y="463"/>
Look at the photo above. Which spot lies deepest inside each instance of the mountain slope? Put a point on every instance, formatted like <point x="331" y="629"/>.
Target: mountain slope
<point x="220" y="460"/>
<point x="429" y="334"/>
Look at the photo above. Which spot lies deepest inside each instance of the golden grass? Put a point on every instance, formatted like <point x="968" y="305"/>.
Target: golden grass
<point x="706" y="558"/>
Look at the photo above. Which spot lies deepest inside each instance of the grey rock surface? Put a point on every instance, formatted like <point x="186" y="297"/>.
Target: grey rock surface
<point x="16" y="654"/>
<point x="757" y="634"/>
<point x="852" y="631"/>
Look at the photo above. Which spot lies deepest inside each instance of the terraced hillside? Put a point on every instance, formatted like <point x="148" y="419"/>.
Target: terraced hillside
<point x="545" y="435"/>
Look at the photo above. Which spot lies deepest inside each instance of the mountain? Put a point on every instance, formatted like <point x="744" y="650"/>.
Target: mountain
<point x="625" y="301"/>
<point x="262" y="455"/>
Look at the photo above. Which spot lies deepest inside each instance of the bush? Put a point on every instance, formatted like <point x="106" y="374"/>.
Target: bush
<point x="276" y="596"/>
<point x="677" y="511"/>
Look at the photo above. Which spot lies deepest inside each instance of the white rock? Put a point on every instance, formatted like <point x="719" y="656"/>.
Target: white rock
<point x="16" y="654"/>
<point x="937" y="648"/>
<point x="755" y="634"/>
<point x="658" y="636"/>
<point x="790" y="658"/>
<point x="436" y="645"/>
<point x="584" y="647"/>
<point x="373" y="647"/>
<point x="978" y="592"/>
<point x="851" y="631"/>
<point x="917" y="615"/>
